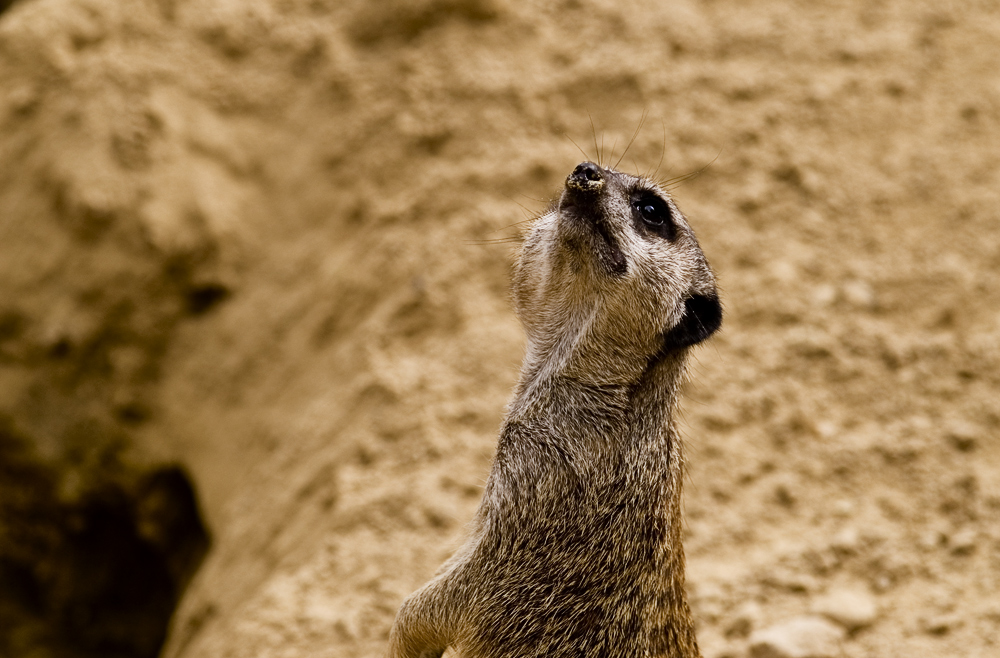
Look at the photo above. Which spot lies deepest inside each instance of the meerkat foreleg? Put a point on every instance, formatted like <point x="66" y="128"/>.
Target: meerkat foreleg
<point x="426" y="623"/>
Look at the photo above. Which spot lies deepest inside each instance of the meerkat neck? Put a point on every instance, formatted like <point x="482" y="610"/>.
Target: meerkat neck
<point x="554" y="387"/>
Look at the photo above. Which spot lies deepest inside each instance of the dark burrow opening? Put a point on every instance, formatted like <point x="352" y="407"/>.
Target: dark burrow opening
<point x="96" y="568"/>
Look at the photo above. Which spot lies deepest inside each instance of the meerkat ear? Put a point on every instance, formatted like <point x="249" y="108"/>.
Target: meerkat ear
<point x="702" y="318"/>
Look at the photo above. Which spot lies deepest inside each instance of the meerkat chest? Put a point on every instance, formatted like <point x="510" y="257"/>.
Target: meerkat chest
<point x="552" y="504"/>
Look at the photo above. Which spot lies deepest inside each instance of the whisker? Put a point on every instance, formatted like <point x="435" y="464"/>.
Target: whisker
<point x="642" y="120"/>
<point x="675" y="182"/>
<point x="504" y="228"/>
<point x="531" y="198"/>
<point x="527" y="212"/>
<point x="663" y="150"/>
<point x="585" y="156"/>
<point x="593" y="131"/>
<point x="498" y="241"/>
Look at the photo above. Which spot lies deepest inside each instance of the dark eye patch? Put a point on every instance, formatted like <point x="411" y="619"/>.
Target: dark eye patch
<point x="655" y="215"/>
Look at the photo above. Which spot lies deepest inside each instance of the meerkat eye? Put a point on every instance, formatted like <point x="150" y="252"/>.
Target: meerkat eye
<point x="656" y="215"/>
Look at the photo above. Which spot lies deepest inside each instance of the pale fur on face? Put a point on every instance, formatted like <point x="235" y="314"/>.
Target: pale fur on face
<point x="588" y="322"/>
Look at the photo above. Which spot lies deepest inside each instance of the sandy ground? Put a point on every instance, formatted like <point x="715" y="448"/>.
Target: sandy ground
<point x="246" y="237"/>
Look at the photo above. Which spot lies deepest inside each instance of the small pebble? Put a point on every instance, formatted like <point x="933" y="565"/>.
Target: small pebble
<point x="23" y="99"/>
<point x="824" y="295"/>
<point x="846" y="541"/>
<point x="963" y="542"/>
<point x="859" y="293"/>
<point x="992" y="613"/>
<point x="964" y="436"/>
<point x="785" y="495"/>
<point x="843" y="508"/>
<point x="933" y="539"/>
<point x="827" y="429"/>
<point x="801" y="637"/>
<point x="940" y="624"/>
<point x="851" y="608"/>
<point x="744" y="620"/>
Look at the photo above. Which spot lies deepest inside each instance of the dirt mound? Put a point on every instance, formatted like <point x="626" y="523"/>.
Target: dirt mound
<point x="241" y="242"/>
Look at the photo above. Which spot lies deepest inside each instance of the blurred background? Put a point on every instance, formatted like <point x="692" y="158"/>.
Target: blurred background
<point x="255" y="338"/>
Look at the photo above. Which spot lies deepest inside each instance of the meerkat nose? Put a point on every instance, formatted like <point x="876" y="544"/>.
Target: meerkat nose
<point x="587" y="177"/>
<point x="587" y="171"/>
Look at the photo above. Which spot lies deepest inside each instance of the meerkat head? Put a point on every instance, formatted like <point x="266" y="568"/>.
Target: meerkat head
<point x="612" y="277"/>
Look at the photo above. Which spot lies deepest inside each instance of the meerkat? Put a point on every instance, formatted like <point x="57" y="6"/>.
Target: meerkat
<point x="576" y="547"/>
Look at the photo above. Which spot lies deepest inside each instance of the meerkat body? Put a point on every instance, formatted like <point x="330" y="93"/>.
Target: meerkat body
<point x="575" y="549"/>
